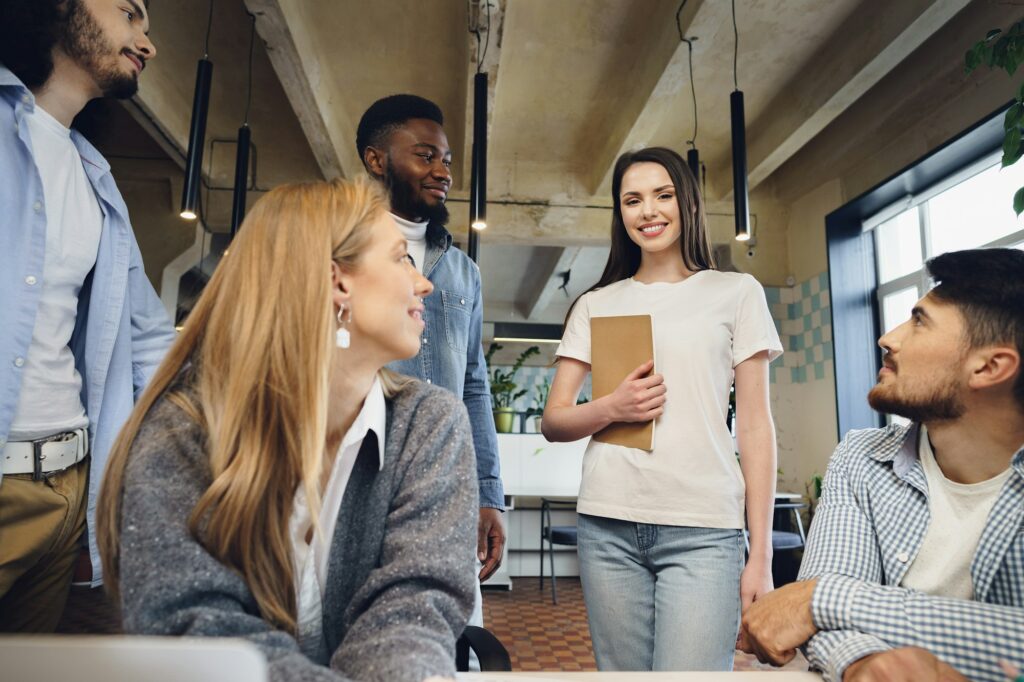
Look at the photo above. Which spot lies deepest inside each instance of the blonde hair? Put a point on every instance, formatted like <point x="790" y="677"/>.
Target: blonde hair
<point x="258" y="346"/>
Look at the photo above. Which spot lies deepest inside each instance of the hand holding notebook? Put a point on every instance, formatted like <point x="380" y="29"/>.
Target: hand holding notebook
<point x="619" y="345"/>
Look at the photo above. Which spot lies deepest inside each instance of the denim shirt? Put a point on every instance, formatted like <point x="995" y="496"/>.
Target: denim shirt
<point x="452" y="354"/>
<point x="121" y="330"/>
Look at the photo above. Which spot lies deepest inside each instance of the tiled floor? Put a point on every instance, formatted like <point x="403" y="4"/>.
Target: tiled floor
<point x="539" y="635"/>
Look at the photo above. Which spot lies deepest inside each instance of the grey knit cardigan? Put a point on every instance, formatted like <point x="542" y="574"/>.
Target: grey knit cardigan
<point x="401" y="568"/>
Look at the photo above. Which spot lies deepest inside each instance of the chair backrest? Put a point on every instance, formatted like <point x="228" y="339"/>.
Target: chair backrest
<point x="129" y="659"/>
<point x="489" y="651"/>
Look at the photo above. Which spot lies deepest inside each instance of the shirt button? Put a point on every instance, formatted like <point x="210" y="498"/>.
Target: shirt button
<point x="30" y="280"/>
<point x="18" y="362"/>
<point x="429" y="381"/>
<point x="26" y="98"/>
<point x="425" y="340"/>
<point x="903" y="557"/>
<point x="37" y="207"/>
<point x="462" y="301"/>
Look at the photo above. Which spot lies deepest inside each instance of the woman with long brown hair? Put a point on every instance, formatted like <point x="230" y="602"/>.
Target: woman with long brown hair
<point x="661" y="531"/>
<point x="275" y="483"/>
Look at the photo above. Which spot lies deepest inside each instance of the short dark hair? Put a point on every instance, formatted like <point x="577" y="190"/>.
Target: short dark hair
<point x="389" y="113"/>
<point x="987" y="287"/>
<point x="28" y="31"/>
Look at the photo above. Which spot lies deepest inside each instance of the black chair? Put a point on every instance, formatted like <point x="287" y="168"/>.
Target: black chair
<point x="783" y="539"/>
<point x="555" y="535"/>
<point x="489" y="651"/>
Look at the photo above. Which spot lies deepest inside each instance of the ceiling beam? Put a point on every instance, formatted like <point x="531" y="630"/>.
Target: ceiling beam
<point x="872" y="42"/>
<point x="280" y="25"/>
<point x="542" y="280"/>
<point x="675" y="75"/>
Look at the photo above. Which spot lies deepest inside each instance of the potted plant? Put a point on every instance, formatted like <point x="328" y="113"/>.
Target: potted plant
<point x="540" y="399"/>
<point x="503" y="387"/>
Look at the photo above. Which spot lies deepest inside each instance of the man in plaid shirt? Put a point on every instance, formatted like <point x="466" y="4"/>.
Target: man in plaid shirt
<point x="914" y="568"/>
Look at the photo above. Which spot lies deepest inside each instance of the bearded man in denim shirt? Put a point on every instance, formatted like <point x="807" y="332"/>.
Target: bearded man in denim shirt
<point x="83" y="328"/>
<point x="402" y="144"/>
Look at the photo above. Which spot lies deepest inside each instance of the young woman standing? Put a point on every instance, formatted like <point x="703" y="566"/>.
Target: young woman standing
<point x="661" y="532"/>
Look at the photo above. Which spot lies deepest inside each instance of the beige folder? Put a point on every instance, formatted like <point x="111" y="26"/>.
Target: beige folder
<point x="618" y="345"/>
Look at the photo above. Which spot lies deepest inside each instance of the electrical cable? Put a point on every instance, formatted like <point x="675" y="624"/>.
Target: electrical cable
<point x="735" y="49"/>
<point x="209" y="25"/>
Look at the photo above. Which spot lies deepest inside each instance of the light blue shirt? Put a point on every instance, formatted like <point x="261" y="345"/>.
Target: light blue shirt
<point x="121" y="332"/>
<point x="451" y="351"/>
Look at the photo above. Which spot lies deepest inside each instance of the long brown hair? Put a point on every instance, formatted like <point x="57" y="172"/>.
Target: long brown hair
<point x="624" y="256"/>
<point x="257" y="347"/>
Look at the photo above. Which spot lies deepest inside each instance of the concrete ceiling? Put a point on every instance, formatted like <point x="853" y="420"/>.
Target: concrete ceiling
<point x="573" y="83"/>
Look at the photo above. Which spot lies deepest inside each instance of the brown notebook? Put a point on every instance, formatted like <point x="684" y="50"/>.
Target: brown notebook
<point x="618" y="345"/>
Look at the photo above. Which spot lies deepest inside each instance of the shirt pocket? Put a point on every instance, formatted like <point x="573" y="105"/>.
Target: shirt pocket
<point x="457" y="319"/>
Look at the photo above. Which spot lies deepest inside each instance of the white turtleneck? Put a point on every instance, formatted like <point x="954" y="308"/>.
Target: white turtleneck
<point x="416" y="235"/>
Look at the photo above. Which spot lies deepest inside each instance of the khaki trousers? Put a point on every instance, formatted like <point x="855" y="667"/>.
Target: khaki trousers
<point x="41" y="524"/>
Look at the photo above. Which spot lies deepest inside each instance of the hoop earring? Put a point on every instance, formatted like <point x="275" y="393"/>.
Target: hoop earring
<point x="342" y="337"/>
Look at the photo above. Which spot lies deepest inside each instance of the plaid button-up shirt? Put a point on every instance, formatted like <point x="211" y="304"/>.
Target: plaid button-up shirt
<point x="866" y="533"/>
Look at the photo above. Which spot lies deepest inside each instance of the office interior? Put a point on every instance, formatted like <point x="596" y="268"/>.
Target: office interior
<point x="868" y="147"/>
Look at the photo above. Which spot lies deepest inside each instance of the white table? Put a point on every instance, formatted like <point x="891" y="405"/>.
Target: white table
<point x="747" y="676"/>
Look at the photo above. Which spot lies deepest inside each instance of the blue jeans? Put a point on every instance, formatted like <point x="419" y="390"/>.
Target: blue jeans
<point x="660" y="597"/>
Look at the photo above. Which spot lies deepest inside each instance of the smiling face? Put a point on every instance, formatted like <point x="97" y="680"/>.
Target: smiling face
<point x="386" y="295"/>
<point x="923" y="377"/>
<point x="418" y="170"/>
<point x="649" y="208"/>
<point x="109" y="40"/>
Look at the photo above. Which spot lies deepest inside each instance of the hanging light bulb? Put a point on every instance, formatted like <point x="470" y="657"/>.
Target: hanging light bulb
<point x="739" y="146"/>
<point x="197" y="130"/>
<point x="478" y="170"/>
<point x="242" y="153"/>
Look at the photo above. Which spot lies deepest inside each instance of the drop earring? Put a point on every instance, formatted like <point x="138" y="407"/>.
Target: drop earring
<point x="342" y="337"/>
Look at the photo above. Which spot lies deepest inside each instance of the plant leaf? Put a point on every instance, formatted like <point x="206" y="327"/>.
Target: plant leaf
<point x="1011" y="145"/>
<point x="1013" y="116"/>
<point x="1018" y="201"/>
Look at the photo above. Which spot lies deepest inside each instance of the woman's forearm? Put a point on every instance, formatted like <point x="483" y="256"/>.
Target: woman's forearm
<point x="759" y="463"/>
<point x="573" y="422"/>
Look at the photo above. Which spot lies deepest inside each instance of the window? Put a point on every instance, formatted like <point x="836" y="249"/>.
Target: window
<point x="971" y="209"/>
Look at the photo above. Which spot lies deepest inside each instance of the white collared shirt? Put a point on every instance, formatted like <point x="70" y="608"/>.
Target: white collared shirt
<point x="311" y="561"/>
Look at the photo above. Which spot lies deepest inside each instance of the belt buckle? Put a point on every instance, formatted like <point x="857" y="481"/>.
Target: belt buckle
<point x="37" y="451"/>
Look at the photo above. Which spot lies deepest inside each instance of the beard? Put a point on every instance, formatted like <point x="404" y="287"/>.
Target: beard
<point x="406" y="200"/>
<point x="943" y="403"/>
<point x="83" y="40"/>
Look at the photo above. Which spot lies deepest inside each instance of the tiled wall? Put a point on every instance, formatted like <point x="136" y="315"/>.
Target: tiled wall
<point x="803" y="316"/>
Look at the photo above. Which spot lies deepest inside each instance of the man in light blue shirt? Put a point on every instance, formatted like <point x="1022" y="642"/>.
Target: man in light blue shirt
<point x="83" y="329"/>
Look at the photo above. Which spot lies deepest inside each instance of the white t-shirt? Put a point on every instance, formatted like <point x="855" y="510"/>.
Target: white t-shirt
<point x="311" y="560"/>
<point x="704" y="326"/>
<point x="50" y="397"/>
<point x="957" y="514"/>
<point x="416" y="235"/>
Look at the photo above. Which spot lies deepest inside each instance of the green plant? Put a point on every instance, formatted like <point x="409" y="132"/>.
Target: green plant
<point x="540" y="397"/>
<point x="503" y="385"/>
<point x="1005" y="50"/>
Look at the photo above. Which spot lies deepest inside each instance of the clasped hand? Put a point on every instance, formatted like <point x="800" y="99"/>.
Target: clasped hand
<point x="638" y="398"/>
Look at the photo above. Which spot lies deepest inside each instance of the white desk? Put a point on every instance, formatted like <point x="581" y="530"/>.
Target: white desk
<point x="747" y="676"/>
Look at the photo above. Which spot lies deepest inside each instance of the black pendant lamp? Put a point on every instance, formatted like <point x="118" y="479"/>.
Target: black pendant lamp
<point x="242" y="153"/>
<point x="739" y="147"/>
<point x="692" y="156"/>
<point x="197" y="130"/>
<point x="478" y="178"/>
<point x="478" y="170"/>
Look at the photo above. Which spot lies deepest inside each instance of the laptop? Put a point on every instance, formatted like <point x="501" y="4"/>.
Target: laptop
<point x="55" y="658"/>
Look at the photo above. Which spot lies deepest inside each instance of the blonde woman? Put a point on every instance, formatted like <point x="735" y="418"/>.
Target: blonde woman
<point x="275" y="483"/>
